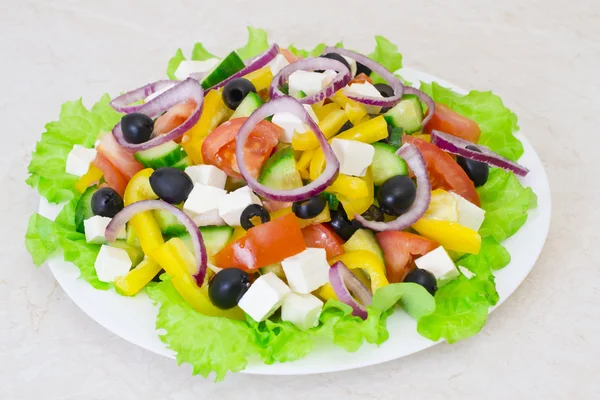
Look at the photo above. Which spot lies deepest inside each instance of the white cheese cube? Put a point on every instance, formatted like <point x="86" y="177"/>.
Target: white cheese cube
<point x="290" y="124"/>
<point x="439" y="263"/>
<point x="328" y="76"/>
<point x="264" y="297"/>
<point x="203" y="199"/>
<point x="79" y="160"/>
<point x="354" y="157"/>
<point x="364" y="89"/>
<point x="306" y="271"/>
<point x="278" y="63"/>
<point x="95" y="228"/>
<point x="209" y="218"/>
<point x="233" y="204"/>
<point x="188" y="67"/>
<point x="207" y="175"/>
<point x="307" y="81"/>
<point x="302" y="310"/>
<point x="352" y="63"/>
<point x="469" y="214"/>
<point x="111" y="263"/>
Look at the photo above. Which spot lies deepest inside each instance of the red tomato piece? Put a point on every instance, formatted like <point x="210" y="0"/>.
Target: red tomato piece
<point x="361" y="78"/>
<point x="263" y="245"/>
<point x="112" y="176"/>
<point x="446" y="120"/>
<point x="444" y="172"/>
<point x="174" y="117"/>
<point x="289" y="56"/>
<point x="218" y="148"/>
<point x="121" y="158"/>
<point x="322" y="236"/>
<point x="399" y="249"/>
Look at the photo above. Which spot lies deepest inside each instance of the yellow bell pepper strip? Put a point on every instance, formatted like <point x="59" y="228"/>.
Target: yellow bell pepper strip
<point x="261" y="78"/>
<point x="330" y="125"/>
<point x="93" y="175"/>
<point x="362" y="204"/>
<point x="450" y="235"/>
<point x="426" y="137"/>
<point x="172" y="258"/>
<point x="442" y="206"/>
<point x="349" y="186"/>
<point x="354" y="110"/>
<point x="324" y="216"/>
<point x="238" y="233"/>
<point x="317" y="164"/>
<point x="214" y="112"/>
<point x="137" y="278"/>
<point x="370" y="131"/>
<point x="323" y="111"/>
<point x="304" y="160"/>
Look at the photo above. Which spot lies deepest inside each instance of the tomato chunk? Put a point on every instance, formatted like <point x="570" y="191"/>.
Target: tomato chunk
<point x="121" y="158"/>
<point x="322" y="236"/>
<point x="112" y="176"/>
<point x="400" y="249"/>
<point x="447" y="120"/>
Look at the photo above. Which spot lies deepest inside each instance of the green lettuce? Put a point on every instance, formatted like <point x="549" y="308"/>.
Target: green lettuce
<point x="77" y="125"/>
<point x="315" y="52"/>
<point x="386" y="53"/>
<point x="257" y="43"/>
<point x="497" y="123"/>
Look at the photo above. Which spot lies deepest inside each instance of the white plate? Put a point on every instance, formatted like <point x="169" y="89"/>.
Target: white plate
<point x="133" y="318"/>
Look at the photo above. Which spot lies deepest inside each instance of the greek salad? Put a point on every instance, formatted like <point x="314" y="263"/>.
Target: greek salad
<point x="276" y="195"/>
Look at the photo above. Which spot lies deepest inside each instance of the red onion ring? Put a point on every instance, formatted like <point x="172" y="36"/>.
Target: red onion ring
<point x="291" y="105"/>
<point x="123" y="216"/>
<point x="458" y="146"/>
<point x="122" y="103"/>
<point x="389" y="77"/>
<point x="259" y="62"/>
<point x="345" y="284"/>
<point x="190" y="89"/>
<point x="411" y="154"/>
<point x="424" y="97"/>
<point x="312" y="64"/>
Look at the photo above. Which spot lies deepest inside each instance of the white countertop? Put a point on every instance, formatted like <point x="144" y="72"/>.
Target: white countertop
<point x="542" y="57"/>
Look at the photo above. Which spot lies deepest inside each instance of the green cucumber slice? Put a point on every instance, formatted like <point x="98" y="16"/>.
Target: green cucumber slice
<point x="136" y="254"/>
<point x="250" y="103"/>
<point x="226" y="68"/>
<point x="279" y="172"/>
<point x="183" y="163"/>
<point x="164" y="155"/>
<point x="395" y="139"/>
<point x="168" y="223"/>
<point x="408" y="114"/>
<point x="132" y="238"/>
<point x="215" y="238"/>
<point x="364" y="239"/>
<point x="276" y="268"/>
<point x="83" y="210"/>
<point x="386" y="163"/>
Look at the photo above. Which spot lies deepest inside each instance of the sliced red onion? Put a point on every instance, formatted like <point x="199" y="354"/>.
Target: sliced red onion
<point x="291" y="105"/>
<point x="190" y="89"/>
<point x="424" y="97"/>
<point x="123" y="103"/>
<point x="411" y="154"/>
<point x="458" y="146"/>
<point x="259" y="62"/>
<point x="123" y="216"/>
<point x="347" y="286"/>
<point x="312" y="64"/>
<point x="389" y="77"/>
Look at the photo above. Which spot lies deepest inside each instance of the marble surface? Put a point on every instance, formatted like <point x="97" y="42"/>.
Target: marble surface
<point x="542" y="57"/>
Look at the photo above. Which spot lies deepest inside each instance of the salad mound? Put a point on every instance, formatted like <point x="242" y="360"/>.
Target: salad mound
<point x="274" y="197"/>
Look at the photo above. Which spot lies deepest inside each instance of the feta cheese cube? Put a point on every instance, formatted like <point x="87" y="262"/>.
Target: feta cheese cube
<point x="302" y="310"/>
<point x="439" y="263"/>
<point x="291" y="124"/>
<point x="354" y="157"/>
<point x="79" y="160"/>
<point x="111" y="263"/>
<point x="353" y="65"/>
<point x="209" y="218"/>
<point x="233" y="204"/>
<point x="307" y="81"/>
<point x="95" y="228"/>
<point x="307" y="271"/>
<point x="328" y="76"/>
<point x="188" y="67"/>
<point x="264" y="297"/>
<point x="278" y="63"/>
<point x="207" y="175"/>
<point x="469" y="214"/>
<point x="203" y="199"/>
<point x="364" y="89"/>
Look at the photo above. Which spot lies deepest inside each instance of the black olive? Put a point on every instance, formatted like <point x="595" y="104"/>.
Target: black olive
<point x="137" y="127"/>
<point x="397" y="194"/>
<point x="384" y="89"/>
<point x="361" y="68"/>
<point x="106" y="202"/>
<point x="340" y="224"/>
<point x="337" y="57"/>
<point x="310" y="208"/>
<point x="346" y="126"/>
<point x="477" y="171"/>
<point x="424" y="278"/>
<point x="253" y="210"/>
<point x="236" y="90"/>
<point x="373" y="213"/>
<point x="227" y="287"/>
<point x="171" y="184"/>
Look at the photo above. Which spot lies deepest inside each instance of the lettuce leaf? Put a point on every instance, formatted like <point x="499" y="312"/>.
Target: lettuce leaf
<point x="315" y="52"/>
<point x="174" y="64"/>
<point x="386" y="53"/>
<point x="77" y="125"/>
<point x="497" y="123"/>
<point x="257" y="43"/>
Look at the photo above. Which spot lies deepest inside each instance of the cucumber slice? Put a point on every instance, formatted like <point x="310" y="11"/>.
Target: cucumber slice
<point x="136" y="254"/>
<point x="215" y="238"/>
<point x="183" y="163"/>
<point x="364" y="239"/>
<point x="386" y="163"/>
<point x="395" y="139"/>
<point x="280" y="171"/>
<point x="132" y="238"/>
<point x="168" y="223"/>
<point x="83" y="210"/>
<point x="408" y="114"/>
<point x="164" y="155"/>
<point x="227" y="67"/>
<point x="332" y="200"/>
<point x="250" y="103"/>
<point x="276" y="268"/>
